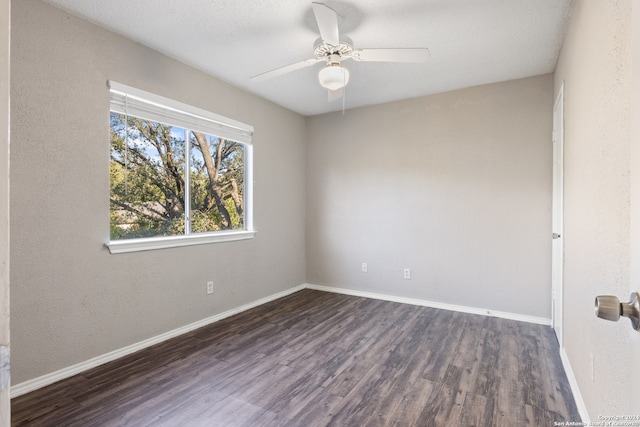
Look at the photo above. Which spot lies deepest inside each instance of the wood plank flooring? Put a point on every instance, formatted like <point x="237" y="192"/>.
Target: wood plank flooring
<point x="323" y="359"/>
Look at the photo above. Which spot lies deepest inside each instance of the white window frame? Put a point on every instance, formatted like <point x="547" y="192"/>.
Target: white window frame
<point x="141" y="104"/>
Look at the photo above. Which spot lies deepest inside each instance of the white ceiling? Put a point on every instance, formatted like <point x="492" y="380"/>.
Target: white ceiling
<point x="472" y="42"/>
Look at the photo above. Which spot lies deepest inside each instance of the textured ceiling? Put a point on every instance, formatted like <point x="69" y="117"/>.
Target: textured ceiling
<point x="472" y="42"/>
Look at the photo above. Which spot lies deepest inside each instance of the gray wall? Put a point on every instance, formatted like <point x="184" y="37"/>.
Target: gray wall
<point x="5" y="15"/>
<point x="634" y="284"/>
<point x="595" y="65"/>
<point x="455" y="186"/>
<point x="71" y="299"/>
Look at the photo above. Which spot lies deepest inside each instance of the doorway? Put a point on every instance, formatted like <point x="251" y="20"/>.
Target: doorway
<point x="557" y="245"/>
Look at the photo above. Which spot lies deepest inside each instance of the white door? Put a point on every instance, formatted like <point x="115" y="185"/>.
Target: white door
<point x="557" y="246"/>
<point x="633" y="366"/>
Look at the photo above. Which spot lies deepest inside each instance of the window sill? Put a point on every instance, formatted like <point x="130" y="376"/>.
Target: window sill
<point x="152" y="243"/>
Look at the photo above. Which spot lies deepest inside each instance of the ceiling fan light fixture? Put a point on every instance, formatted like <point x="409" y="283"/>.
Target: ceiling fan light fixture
<point x="333" y="77"/>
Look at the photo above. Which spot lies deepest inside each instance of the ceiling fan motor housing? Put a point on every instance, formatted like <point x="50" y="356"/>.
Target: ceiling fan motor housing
<point x="323" y="51"/>
<point x="334" y="76"/>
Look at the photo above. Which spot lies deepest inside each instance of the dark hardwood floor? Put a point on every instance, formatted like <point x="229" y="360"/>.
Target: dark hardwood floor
<point x="323" y="359"/>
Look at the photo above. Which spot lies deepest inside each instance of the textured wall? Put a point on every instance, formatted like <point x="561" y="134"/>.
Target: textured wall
<point x="455" y="186"/>
<point x="595" y="65"/>
<point x="71" y="299"/>
<point x="5" y="14"/>
<point x="635" y="202"/>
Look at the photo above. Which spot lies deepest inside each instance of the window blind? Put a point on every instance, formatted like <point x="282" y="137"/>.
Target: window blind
<point x="135" y="102"/>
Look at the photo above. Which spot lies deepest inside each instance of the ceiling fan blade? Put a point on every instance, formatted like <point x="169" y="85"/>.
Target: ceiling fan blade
<point x="327" y="19"/>
<point x="334" y="95"/>
<point x="286" y="69"/>
<point x="392" y="55"/>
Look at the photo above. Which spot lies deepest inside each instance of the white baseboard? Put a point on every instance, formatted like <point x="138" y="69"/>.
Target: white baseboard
<point x="432" y="304"/>
<point x="573" y="383"/>
<point x="45" y="380"/>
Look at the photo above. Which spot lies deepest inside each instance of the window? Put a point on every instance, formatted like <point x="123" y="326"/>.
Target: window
<point x="179" y="175"/>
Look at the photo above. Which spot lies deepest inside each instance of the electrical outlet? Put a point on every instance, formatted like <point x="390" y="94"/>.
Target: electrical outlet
<point x="209" y="287"/>
<point x="365" y="267"/>
<point x="407" y="273"/>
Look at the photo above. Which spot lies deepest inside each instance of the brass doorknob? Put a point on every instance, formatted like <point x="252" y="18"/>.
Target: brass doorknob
<point x="609" y="307"/>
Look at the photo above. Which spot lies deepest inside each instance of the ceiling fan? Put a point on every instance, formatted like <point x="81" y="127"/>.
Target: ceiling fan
<point x="332" y="48"/>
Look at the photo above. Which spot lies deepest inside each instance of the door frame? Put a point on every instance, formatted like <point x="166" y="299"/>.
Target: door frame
<point x="557" y="219"/>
